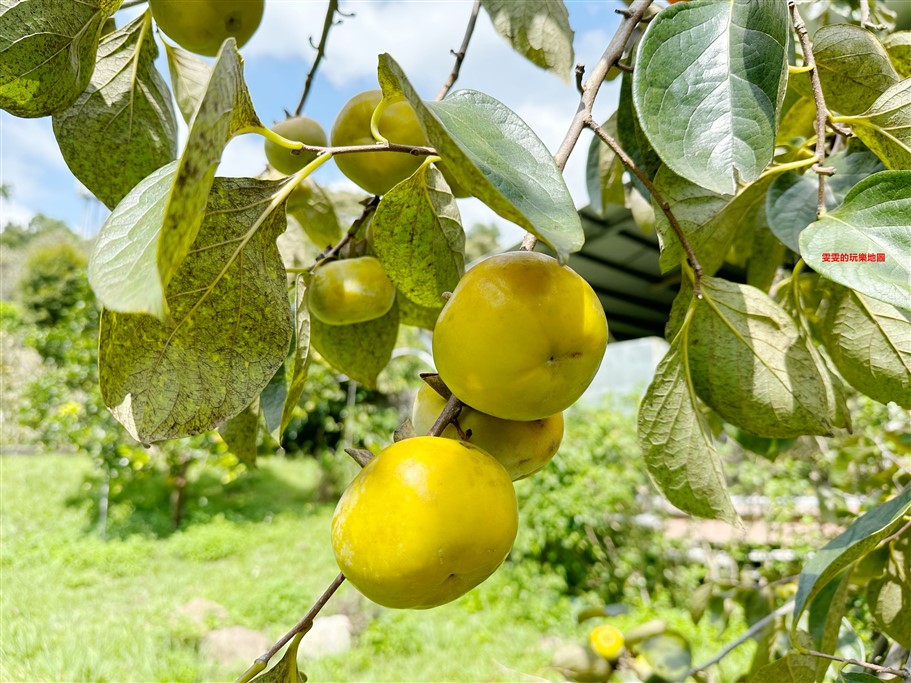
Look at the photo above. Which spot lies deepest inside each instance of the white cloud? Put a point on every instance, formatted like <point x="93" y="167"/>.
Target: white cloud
<point x="243" y="157"/>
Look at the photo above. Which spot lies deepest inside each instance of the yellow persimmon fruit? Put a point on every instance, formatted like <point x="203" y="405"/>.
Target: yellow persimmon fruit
<point x="607" y="641"/>
<point x="201" y="26"/>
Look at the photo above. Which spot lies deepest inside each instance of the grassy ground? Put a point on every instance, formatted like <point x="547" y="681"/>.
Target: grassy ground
<point x="78" y="608"/>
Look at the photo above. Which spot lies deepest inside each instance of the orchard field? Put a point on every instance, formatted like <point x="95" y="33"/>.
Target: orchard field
<point x="483" y="340"/>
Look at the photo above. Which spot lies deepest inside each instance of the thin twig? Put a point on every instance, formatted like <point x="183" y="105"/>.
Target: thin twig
<point x="631" y="17"/>
<point x="450" y="412"/>
<point x="460" y="55"/>
<point x="320" y="53"/>
<point x="413" y="150"/>
<point x="864" y="13"/>
<point x="303" y="625"/>
<point x="901" y="673"/>
<point x="898" y="534"/>
<point x="753" y="630"/>
<point x="369" y="208"/>
<point x="662" y="202"/>
<point x="822" y="112"/>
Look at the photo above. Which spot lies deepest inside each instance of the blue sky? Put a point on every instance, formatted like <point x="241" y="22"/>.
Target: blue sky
<point x="418" y="34"/>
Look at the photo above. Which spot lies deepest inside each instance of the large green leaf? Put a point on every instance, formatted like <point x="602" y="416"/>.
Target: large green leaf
<point x="360" y="351"/>
<point x="312" y="207"/>
<point x="875" y="218"/>
<point x="604" y="171"/>
<point x="301" y="366"/>
<point x="750" y="364"/>
<point x="791" y="200"/>
<point x="488" y="148"/>
<point x="898" y="45"/>
<point x="792" y="668"/>
<point x="870" y="343"/>
<point x="854" y="68"/>
<point x="241" y="433"/>
<point x="539" y="31"/>
<point x="122" y="128"/>
<point x="867" y="531"/>
<point x="676" y="441"/>
<point x="886" y="126"/>
<point x="889" y="596"/>
<point x="189" y="78"/>
<point x="418" y="237"/>
<point x="710" y="221"/>
<point x="47" y="52"/>
<point x="228" y="332"/>
<point x="709" y="106"/>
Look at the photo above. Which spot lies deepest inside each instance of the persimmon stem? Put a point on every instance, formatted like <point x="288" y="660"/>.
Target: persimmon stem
<point x="822" y="112"/>
<point x="460" y="55"/>
<point x="656" y="195"/>
<point x="328" y="23"/>
<point x="302" y="626"/>
<point x="450" y="412"/>
<point x="632" y="15"/>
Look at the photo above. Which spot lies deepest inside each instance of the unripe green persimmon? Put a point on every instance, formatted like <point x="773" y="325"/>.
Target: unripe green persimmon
<point x="350" y="291"/>
<point x="298" y="128"/>
<point x="522" y="448"/>
<point x="201" y="26"/>
<point x="425" y="521"/>
<point x="521" y="337"/>
<point x="376" y="172"/>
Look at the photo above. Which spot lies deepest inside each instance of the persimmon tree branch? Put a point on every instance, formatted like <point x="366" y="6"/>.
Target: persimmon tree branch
<point x="413" y="150"/>
<point x="662" y="202"/>
<point x="904" y="674"/>
<point x="302" y="626"/>
<point x="369" y="209"/>
<point x="328" y="23"/>
<point x="460" y="55"/>
<point x="632" y="15"/>
<point x="822" y="112"/>
<point x="450" y="412"/>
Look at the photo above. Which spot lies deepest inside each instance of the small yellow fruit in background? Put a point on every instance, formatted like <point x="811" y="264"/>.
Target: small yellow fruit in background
<point x="376" y="172"/>
<point x="350" y="291"/>
<point x="522" y="448"/>
<point x="202" y="26"/>
<point x="298" y="128"/>
<point x="425" y="521"/>
<point x="521" y="337"/>
<point x="607" y="641"/>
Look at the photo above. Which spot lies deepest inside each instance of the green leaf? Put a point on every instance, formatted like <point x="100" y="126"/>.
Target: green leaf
<point x="631" y="136"/>
<point x="418" y="316"/>
<point x="792" y="668"/>
<point x="286" y="670"/>
<point x="886" y="126"/>
<point x="189" y="78"/>
<point x="824" y="617"/>
<point x="301" y="366"/>
<point x="875" y="218"/>
<point x="750" y="364"/>
<point x="857" y="677"/>
<point x="709" y="220"/>
<point x="228" y="332"/>
<point x="313" y="209"/>
<point x="488" y="148"/>
<point x="272" y="401"/>
<point x="360" y="351"/>
<point x="604" y="171"/>
<point x="676" y="441"/>
<point x="155" y="224"/>
<point x="418" y="237"/>
<point x="122" y="128"/>
<point x="870" y="343"/>
<point x="539" y="31"/>
<point x="668" y="654"/>
<point x="889" y="596"/>
<point x="791" y="200"/>
<point x="47" y="52"/>
<point x="898" y="45"/>
<point x="867" y="531"/>
<point x="699" y="601"/>
<point x="241" y="433"/>
<point x="854" y="68"/>
<point x="708" y="106"/>
<point x="766" y="254"/>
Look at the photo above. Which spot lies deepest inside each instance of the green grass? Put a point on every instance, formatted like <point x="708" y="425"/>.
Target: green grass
<point x="79" y="608"/>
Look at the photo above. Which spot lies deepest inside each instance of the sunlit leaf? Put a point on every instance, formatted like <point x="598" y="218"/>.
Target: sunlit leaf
<point x="301" y="365"/>
<point x="886" y="126"/>
<point x="898" y="45"/>
<point x="418" y="237"/>
<point x="874" y="219"/>
<point x="122" y="128"/>
<point x="708" y="106"/>
<point x="189" y="78"/>
<point x="228" y="332"/>
<point x="539" y="31"/>
<point x="47" y="52"/>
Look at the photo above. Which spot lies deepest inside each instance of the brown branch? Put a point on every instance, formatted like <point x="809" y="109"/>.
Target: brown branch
<point x="360" y="455"/>
<point x="632" y="15"/>
<point x="904" y="674"/>
<point x="460" y="55"/>
<point x="413" y="150"/>
<point x="369" y="208"/>
<point x="320" y="53"/>
<point x="303" y="625"/>
<point x="662" y="202"/>
<point x="450" y="412"/>
<point x="822" y="112"/>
